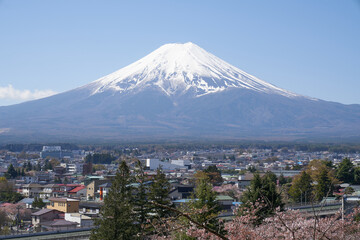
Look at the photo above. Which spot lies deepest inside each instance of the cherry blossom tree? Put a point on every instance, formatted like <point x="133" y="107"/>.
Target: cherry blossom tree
<point x="288" y="224"/>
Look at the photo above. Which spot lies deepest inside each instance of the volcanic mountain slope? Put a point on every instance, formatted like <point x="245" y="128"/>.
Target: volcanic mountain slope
<point x="178" y="91"/>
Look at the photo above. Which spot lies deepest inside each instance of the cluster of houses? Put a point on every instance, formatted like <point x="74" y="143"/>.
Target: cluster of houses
<point x="74" y="192"/>
<point x="70" y="206"/>
<point x="60" y="214"/>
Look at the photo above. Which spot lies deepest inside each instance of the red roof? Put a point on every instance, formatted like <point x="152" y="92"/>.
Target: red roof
<point x="75" y="190"/>
<point x="70" y="185"/>
<point x="73" y="185"/>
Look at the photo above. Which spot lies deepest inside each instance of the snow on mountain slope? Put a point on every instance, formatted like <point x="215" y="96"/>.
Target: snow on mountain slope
<point x="176" y="69"/>
<point x="179" y="91"/>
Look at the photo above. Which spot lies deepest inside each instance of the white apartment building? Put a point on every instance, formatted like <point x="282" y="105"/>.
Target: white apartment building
<point x="73" y="168"/>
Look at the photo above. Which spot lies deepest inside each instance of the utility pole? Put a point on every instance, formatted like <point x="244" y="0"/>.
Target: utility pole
<point x="18" y="218"/>
<point x="343" y="206"/>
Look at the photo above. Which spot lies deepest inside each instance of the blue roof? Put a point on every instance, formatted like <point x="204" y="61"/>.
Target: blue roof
<point x="181" y="201"/>
<point x="27" y="200"/>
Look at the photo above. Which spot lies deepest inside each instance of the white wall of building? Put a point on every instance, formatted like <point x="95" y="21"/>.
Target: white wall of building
<point x="80" y="219"/>
<point x="154" y="164"/>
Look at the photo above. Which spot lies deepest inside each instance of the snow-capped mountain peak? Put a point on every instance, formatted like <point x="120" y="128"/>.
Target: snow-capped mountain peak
<point x="177" y="68"/>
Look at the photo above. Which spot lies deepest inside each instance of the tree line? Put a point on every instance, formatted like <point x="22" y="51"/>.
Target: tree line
<point x="320" y="178"/>
<point x="139" y="207"/>
<point x="100" y="158"/>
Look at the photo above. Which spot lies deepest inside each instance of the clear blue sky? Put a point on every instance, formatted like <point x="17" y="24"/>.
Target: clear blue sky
<point x="305" y="46"/>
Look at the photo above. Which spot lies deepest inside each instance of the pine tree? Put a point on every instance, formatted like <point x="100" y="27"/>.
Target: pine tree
<point x="204" y="207"/>
<point x="324" y="187"/>
<point x="35" y="202"/>
<point x="38" y="203"/>
<point x="301" y="188"/>
<point x="11" y="171"/>
<point x="357" y="175"/>
<point x="142" y="207"/>
<point x="345" y="171"/>
<point x="117" y="219"/>
<point x="282" y="180"/>
<point x="158" y="197"/>
<point x="159" y="193"/>
<point x="262" y="190"/>
<point x="214" y="175"/>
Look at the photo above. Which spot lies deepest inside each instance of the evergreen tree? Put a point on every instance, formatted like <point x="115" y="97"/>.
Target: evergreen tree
<point x="324" y="187"/>
<point x="28" y="166"/>
<point x="38" y="203"/>
<point x="159" y="193"/>
<point x="261" y="190"/>
<point x="11" y="172"/>
<point x="271" y="176"/>
<point x="204" y="207"/>
<point x="214" y="175"/>
<point x="252" y="169"/>
<point x="301" y="188"/>
<point x="117" y="219"/>
<point x="142" y="207"/>
<point x="345" y="171"/>
<point x="7" y="193"/>
<point x="47" y="165"/>
<point x="357" y="175"/>
<point x="282" y="180"/>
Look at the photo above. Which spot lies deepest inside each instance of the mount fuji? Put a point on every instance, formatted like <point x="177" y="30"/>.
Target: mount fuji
<point x="179" y="91"/>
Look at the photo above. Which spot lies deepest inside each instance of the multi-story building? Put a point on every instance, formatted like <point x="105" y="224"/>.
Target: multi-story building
<point x="93" y="187"/>
<point x="50" y="190"/>
<point x="51" y="151"/>
<point x="154" y="164"/>
<point x="44" y="177"/>
<point x="54" y="152"/>
<point x="73" y="168"/>
<point x="31" y="190"/>
<point x="66" y="205"/>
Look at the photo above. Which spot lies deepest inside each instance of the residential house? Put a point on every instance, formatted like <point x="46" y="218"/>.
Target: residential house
<point x="66" y="188"/>
<point x="181" y="191"/>
<point x="45" y="215"/>
<point x="77" y="192"/>
<point x="58" y="225"/>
